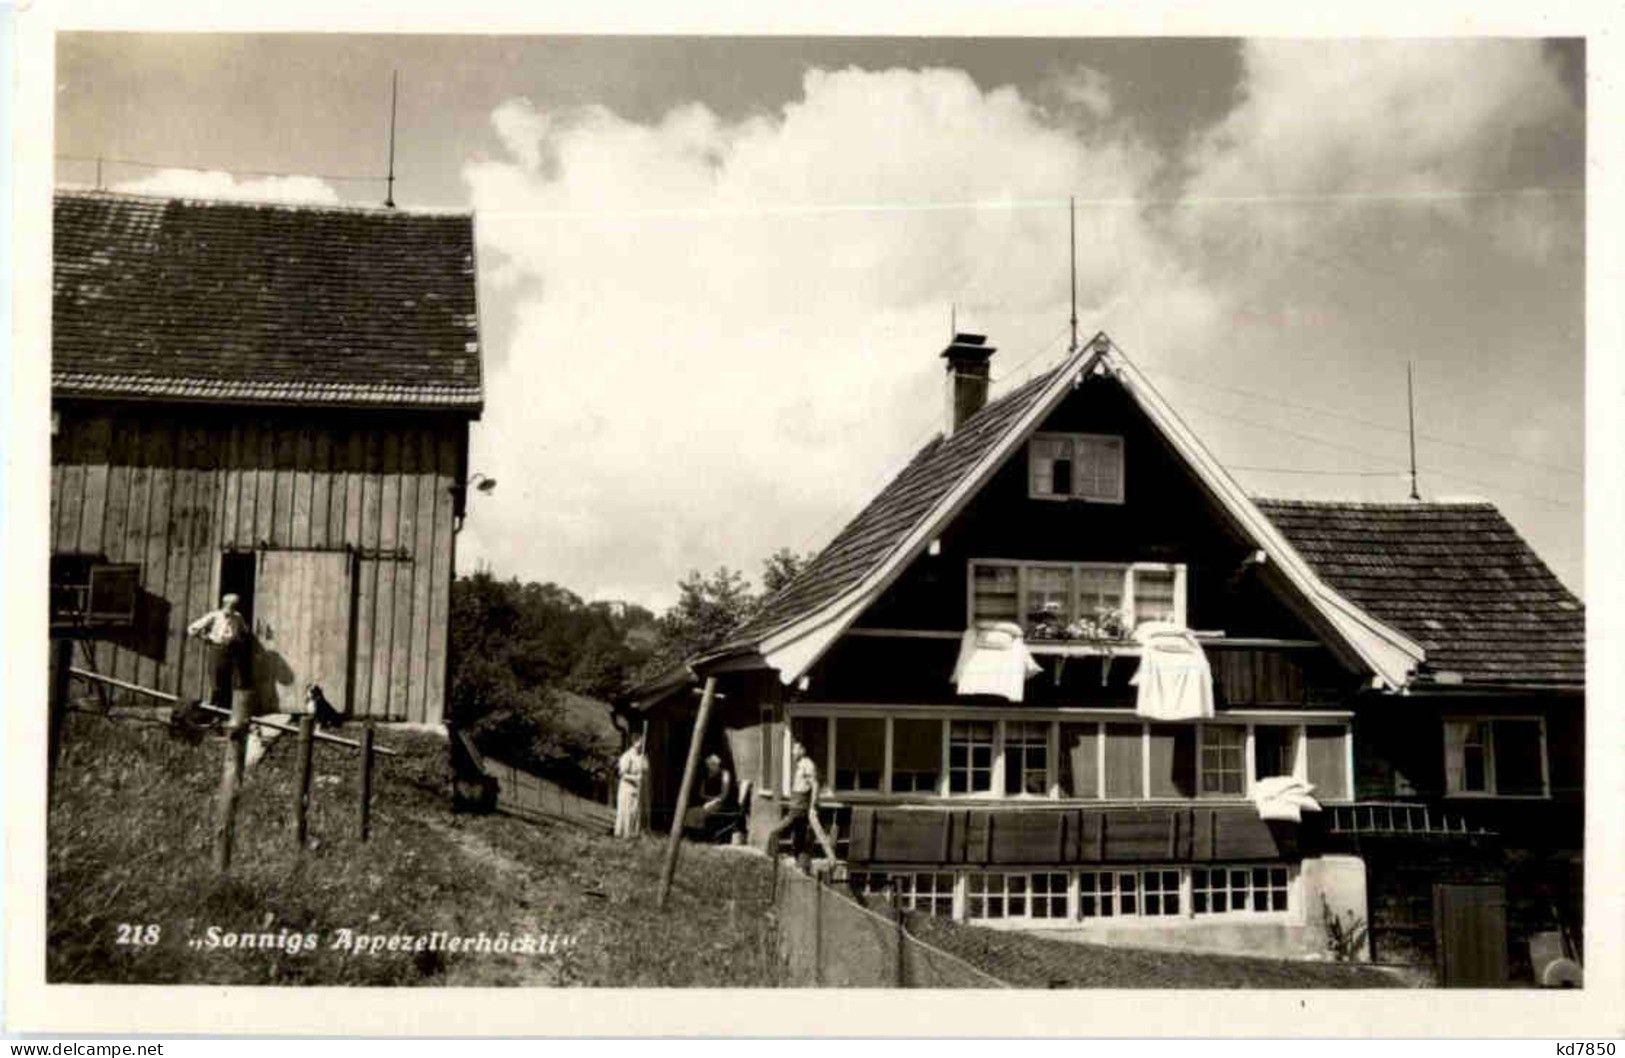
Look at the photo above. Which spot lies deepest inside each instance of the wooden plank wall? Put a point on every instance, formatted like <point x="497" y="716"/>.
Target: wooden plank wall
<point x="143" y="485"/>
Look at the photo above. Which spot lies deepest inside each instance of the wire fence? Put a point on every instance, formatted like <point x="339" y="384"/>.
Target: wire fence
<point x="829" y="940"/>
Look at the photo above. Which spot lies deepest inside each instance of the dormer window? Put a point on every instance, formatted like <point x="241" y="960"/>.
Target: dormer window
<point x="1076" y="466"/>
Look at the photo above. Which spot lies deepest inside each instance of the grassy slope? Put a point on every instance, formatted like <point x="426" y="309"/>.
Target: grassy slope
<point x="1028" y="961"/>
<point x="130" y="843"/>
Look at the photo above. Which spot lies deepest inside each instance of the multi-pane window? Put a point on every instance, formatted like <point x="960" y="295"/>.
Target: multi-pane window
<point x="1223" y="760"/>
<point x="1151" y="892"/>
<point x="860" y="752"/>
<point x="1100" y="591"/>
<point x="1154" y="596"/>
<point x="1049" y="894"/>
<point x="970" y="756"/>
<point x="1099" y="594"/>
<point x="1097" y="893"/>
<point x="932" y="893"/>
<point x="990" y="896"/>
<point x="1026" y="757"/>
<point x="916" y="762"/>
<point x="997" y="592"/>
<point x="1502" y="756"/>
<point x="1223" y="890"/>
<point x="929" y="892"/>
<point x="1159" y="892"/>
<point x="1076" y="466"/>
<point x="1049" y="593"/>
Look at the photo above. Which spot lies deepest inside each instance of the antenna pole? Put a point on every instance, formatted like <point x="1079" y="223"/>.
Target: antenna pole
<point x="389" y="193"/>
<point x="953" y="321"/>
<point x="1072" y="243"/>
<point x="98" y="173"/>
<point x="1410" y="403"/>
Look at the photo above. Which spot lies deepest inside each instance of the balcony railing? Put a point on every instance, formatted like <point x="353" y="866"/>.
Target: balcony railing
<point x="1398" y="818"/>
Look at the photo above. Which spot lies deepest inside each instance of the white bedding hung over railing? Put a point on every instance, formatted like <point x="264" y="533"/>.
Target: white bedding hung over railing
<point x="1174" y="679"/>
<point x="994" y="659"/>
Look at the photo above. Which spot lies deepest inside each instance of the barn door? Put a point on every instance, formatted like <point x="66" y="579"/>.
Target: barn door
<point x="1470" y="934"/>
<point x="302" y="607"/>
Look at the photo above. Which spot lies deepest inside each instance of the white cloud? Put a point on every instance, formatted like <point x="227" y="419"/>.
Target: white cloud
<point x="1326" y="130"/>
<point x="723" y="333"/>
<point x="214" y="184"/>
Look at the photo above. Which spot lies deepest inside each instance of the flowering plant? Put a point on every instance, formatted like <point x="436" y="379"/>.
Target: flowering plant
<point x="1106" y="623"/>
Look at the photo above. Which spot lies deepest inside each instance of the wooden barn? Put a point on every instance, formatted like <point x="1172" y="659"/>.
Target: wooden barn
<point x="273" y="400"/>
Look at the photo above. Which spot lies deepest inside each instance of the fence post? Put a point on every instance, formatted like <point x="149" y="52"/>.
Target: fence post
<point x="301" y="802"/>
<point x="818" y="932"/>
<point x="897" y="912"/>
<point x="62" y="656"/>
<point x="231" y="778"/>
<point x="366" y="780"/>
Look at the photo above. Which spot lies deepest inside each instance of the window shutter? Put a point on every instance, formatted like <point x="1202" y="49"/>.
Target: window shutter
<point x="1051" y="466"/>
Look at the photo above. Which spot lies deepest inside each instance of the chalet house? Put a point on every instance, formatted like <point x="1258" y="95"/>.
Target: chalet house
<point x="970" y="665"/>
<point x="272" y="400"/>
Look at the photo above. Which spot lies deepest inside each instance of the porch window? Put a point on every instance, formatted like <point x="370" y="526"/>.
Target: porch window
<point x="916" y="765"/>
<point x="970" y="756"/>
<point x="1495" y="756"/>
<point x="1223" y="759"/>
<point x="1026" y="757"/>
<point x="860" y="753"/>
<point x="1076" y="466"/>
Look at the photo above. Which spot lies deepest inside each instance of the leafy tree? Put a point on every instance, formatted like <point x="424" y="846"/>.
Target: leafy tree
<point x="781" y="567"/>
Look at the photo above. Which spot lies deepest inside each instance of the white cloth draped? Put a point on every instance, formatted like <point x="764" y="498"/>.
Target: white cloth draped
<point x="1284" y="797"/>
<point x="1174" y="679"/>
<point x="994" y="659"/>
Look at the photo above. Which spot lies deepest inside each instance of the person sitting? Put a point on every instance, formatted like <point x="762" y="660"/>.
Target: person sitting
<point x="717" y="815"/>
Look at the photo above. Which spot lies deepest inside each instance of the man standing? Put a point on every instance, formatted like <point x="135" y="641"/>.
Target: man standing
<point x="226" y="633"/>
<point x="803" y="802"/>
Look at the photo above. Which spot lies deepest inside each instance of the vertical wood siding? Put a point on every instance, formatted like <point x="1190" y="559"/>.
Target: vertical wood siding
<point x="173" y="493"/>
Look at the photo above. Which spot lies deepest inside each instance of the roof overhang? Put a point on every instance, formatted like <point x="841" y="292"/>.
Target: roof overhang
<point x="792" y="650"/>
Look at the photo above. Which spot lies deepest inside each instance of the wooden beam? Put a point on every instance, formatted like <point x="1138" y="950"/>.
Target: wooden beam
<point x="675" y="838"/>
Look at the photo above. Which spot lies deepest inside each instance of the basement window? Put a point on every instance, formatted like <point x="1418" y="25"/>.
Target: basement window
<point x="1076" y="467"/>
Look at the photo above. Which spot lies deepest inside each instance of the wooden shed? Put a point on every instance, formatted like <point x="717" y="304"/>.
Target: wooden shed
<point x="273" y="400"/>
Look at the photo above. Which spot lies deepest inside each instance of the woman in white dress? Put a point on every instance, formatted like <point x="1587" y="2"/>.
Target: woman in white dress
<point x="634" y="769"/>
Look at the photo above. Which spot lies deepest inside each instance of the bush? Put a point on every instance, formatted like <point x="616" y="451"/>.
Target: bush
<point x="1344" y="939"/>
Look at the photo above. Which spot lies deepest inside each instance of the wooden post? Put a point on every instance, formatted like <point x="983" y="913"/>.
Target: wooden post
<point x="57" y="703"/>
<point x="675" y="838"/>
<point x="366" y="781"/>
<point x="231" y="779"/>
<point x="818" y="931"/>
<point x="301" y="803"/>
<point x="897" y="910"/>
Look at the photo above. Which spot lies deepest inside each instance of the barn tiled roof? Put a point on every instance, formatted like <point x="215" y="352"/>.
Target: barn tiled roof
<point x="881" y="527"/>
<point x="253" y="302"/>
<point x="1456" y="577"/>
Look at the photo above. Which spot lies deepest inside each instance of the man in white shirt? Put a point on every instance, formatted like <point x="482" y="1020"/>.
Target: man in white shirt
<point x="226" y="634"/>
<point x="803" y="801"/>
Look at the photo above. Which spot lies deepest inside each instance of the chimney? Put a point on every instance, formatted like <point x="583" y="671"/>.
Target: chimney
<point x="967" y="377"/>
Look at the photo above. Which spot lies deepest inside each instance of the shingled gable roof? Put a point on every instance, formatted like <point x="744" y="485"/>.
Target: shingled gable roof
<point x="797" y="624"/>
<point x="161" y="299"/>
<point x="1455" y="576"/>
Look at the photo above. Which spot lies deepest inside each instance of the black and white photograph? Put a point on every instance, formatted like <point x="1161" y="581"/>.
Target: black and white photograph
<point x="581" y="511"/>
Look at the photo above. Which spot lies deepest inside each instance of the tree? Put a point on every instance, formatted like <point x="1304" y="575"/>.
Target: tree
<point x="707" y="609"/>
<point x="781" y="567"/>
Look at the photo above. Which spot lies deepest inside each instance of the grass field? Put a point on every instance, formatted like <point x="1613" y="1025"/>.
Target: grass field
<point x="130" y="846"/>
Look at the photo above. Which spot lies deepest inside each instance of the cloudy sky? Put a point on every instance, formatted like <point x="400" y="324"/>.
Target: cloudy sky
<point x="715" y="273"/>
